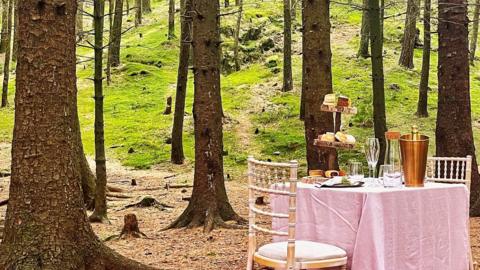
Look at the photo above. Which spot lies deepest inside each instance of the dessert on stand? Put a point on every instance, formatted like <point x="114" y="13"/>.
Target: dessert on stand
<point x="336" y="139"/>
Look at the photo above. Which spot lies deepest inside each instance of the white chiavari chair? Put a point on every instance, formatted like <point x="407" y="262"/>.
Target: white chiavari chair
<point x="455" y="170"/>
<point x="280" y="179"/>
<point x="450" y="170"/>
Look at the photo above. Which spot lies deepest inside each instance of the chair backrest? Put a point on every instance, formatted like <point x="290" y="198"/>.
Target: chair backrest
<point x="450" y="170"/>
<point x="278" y="179"/>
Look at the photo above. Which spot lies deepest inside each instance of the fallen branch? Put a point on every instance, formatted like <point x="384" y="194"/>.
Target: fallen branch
<point x="114" y="189"/>
<point x="120" y="196"/>
<point x="170" y="176"/>
<point x="5" y="202"/>
<point x="167" y="186"/>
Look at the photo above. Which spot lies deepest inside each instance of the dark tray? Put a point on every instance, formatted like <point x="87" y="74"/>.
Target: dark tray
<point x="357" y="184"/>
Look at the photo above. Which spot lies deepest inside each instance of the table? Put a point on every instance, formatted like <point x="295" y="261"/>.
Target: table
<point x="386" y="229"/>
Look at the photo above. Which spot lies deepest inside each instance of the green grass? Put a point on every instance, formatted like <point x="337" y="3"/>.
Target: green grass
<point x="134" y="102"/>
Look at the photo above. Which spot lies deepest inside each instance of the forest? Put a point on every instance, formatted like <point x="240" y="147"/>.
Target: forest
<point x="245" y="134"/>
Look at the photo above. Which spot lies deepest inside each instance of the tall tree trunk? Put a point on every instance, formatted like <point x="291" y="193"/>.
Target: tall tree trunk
<point x="237" y="35"/>
<point x="6" y="66"/>
<point x="171" y="19"/>
<point x="409" y="33"/>
<point x="177" y="155"/>
<point x="46" y="225"/>
<point x="287" y="47"/>
<point x="422" y="110"/>
<point x="3" y="40"/>
<point x="454" y="136"/>
<point x="127" y="3"/>
<point x="138" y="12"/>
<point x="116" y="34"/>
<point x="100" y="213"/>
<point x="87" y="178"/>
<point x="108" y="70"/>
<point x="146" y="6"/>
<point x="474" y="39"/>
<point x="378" y="81"/>
<point x="79" y="21"/>
<point x="317" y="82"/>
<point x="15" y="32"/>
<point x="227" y="3"/>
<point x="364" y="32"/>
<point x="209" y="205"/>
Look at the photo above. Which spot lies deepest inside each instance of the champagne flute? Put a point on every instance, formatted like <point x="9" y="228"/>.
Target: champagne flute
<point x="372" y="152"/>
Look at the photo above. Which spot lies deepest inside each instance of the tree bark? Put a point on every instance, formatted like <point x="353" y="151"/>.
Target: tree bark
<point x="474" y="39"/>
<point x="317" y="81"/>
<point x="454" y="135"/>
<point x="171" y="19"/>
<point x="3" y="40"/>
<point x="138" y="12"/>
<point x="116" y="34"/>
<point x="422" y="110"/>
<point x="100" y="212"/>
<point x="364" y="32"/>
<point x="6" y="66"/>
<point x="177" y="155"/>
<point x="378" y="81"/>
<point x="79" y="20"/>
<point x="237" y="35"/>
<point x="46" y="225"/>
<point x="408" y="43"/>
<point x="146" y="6"/>
<point x="287" y="47"/>
<point x="209" y="205"/>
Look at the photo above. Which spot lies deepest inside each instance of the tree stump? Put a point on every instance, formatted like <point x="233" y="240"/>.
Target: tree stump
<point x="168" y="109"/>
<point x="130" y="227"/>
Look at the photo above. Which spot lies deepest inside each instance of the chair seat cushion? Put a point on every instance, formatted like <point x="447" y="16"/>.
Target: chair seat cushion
<point x="305" y="251"/>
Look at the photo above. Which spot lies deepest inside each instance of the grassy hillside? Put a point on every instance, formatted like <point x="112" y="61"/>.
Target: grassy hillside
<point x="260" y="119"/>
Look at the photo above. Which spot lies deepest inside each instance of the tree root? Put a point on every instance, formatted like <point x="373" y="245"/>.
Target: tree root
<point x="98" y="218"/>
<point x="209" y="219"/>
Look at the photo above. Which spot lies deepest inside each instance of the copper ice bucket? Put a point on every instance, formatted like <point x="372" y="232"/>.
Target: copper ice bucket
<point x="414" y="150"/>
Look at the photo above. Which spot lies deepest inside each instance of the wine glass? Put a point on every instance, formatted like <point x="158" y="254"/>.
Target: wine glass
<point x="372" y="152"/>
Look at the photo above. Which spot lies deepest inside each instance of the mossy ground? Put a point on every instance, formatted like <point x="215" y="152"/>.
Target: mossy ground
<point x="136" y="99"/>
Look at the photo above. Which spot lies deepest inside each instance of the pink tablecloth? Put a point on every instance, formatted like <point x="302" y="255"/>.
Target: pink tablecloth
<point x="386" y="229"/>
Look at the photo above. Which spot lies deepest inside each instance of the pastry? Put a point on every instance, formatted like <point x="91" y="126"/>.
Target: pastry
<point x="328" y="137"/>
<point x="343" y="101"/>
<point x="351" y="139"/>
<point x="345" y="138"/>
<point x="330" y="99"/>
<point x="316" y="173"/>
<point x="331" y="173"/>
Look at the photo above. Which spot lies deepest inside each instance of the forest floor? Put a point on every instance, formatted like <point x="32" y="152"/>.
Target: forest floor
<point x="261" y="120"/>
<point x="185" y="249"/>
